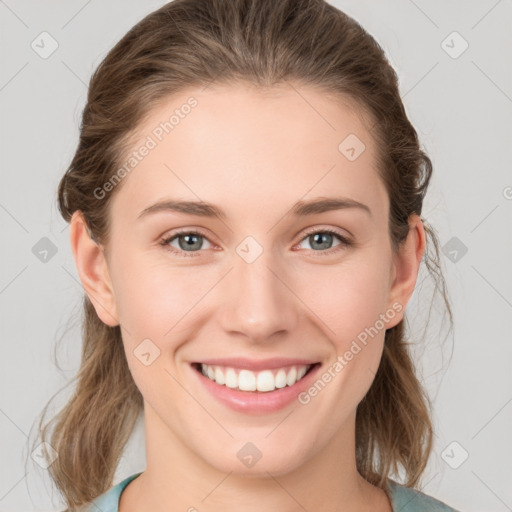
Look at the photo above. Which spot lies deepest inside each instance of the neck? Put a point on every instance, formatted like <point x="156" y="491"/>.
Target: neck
<point x="177" y="478"/>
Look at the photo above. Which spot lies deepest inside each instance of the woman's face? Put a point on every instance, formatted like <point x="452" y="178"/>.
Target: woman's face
<point x="253" y="288"/>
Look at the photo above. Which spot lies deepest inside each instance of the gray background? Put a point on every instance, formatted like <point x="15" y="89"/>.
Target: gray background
<point x="461" y="108"/>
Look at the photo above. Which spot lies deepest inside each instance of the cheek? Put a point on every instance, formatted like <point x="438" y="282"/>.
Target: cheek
<point x="349" y="299"/>
<point x="158" y="301"/>
<point x="352" y="312"/>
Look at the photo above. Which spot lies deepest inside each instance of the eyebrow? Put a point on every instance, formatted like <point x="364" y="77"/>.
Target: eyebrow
<point x="299" y="209"/>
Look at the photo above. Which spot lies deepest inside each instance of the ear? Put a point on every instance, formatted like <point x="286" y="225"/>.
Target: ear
<point x="93" y="271"/>
<point x="405" y="268"/>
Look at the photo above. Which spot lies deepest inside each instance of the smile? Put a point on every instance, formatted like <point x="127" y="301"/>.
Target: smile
<point x="247" y="380"/>
<point x="268" y="386"/>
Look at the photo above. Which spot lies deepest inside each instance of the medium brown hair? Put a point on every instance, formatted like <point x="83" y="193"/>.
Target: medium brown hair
<point x="263" y="43"/>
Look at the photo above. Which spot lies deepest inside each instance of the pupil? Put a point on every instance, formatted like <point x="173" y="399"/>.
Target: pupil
<point x="322" y="240"/>
<point x="189" y="244"/>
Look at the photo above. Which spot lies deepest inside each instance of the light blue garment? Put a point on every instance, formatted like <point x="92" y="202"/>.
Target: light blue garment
<point x="403" y="499"/>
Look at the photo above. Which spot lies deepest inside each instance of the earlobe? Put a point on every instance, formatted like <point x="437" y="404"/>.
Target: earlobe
<point x="93" y="270"/>
<point x="406" y="266"/>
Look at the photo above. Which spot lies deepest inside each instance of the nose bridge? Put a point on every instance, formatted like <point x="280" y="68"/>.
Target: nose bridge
<point x="256" y="302"/>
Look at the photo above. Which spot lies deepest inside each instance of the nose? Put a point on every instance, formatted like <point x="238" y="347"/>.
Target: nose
<point x="258" y="303"/>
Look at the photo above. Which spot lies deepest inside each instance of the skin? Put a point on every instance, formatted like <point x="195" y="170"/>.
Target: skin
<point x="254" y="154"/>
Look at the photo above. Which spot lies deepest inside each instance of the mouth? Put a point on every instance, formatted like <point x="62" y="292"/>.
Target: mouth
<point x="255" y="382"/>
<point x="255" y="387"/>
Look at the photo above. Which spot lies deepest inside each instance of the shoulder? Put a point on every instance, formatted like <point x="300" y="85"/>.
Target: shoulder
<point x="406" y="499"/>
<point x="109" y="501"/>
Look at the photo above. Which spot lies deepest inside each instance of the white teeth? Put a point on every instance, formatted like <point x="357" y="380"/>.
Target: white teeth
<point x="281" y="379"/>
<point x="246" y="380"/>
<point x="231" y="378"/>
<point x="265" y="381"/>
<point x="219" y="376"/>
<point x="291" y="378"/>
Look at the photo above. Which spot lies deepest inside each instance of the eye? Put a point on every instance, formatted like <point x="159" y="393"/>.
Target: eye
<point x="320" y="239"/>
<point x="189" y="242"/>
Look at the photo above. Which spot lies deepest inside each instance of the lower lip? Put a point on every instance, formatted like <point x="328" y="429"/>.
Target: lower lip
<point x="257" y="402"/>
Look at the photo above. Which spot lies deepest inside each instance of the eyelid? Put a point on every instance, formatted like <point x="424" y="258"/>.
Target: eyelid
<point x="327" y="229"/>
<point x="184" y="231"/>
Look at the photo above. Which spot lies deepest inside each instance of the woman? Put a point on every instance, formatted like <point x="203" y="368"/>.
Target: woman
<point x="245" y="216"/>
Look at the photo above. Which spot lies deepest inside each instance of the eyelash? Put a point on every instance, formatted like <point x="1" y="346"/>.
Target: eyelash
<point x="345" y="242"/>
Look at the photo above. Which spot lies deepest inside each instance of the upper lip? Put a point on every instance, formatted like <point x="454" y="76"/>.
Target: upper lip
<point x="257" y="364"/>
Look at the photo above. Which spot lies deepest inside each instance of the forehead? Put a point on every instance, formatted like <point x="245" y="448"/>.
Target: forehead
<point x="251" y="146"/>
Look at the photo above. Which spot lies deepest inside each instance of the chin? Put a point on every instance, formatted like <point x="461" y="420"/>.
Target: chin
<point x="254" y="460"/>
